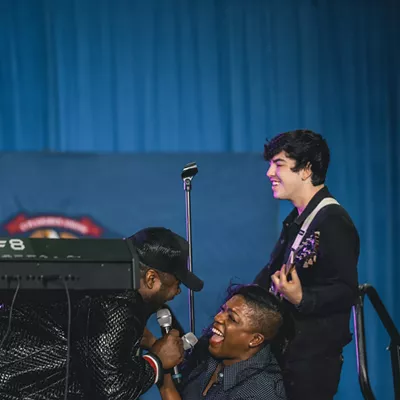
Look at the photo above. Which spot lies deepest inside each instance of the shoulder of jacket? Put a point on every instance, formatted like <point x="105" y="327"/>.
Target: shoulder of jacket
<point x="333" y="213"/>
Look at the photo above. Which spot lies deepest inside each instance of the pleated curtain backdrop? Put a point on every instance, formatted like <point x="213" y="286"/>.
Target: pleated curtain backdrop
<point x="221" y="76"/>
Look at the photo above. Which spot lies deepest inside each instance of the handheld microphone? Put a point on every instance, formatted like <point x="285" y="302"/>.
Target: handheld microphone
<point x="189" y="341"/>
<point x="164" y="319"/>
<point x="175" y="324"/>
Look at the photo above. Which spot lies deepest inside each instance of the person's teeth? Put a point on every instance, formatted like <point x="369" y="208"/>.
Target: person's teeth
<point x="217" y="332"/>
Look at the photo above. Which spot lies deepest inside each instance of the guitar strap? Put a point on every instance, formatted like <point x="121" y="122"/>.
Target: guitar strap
<point x="307" y="222"/>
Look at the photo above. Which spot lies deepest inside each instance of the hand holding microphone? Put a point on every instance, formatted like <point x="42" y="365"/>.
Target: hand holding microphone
<point x="169" y="348"/>
<point x="164" y="319"/>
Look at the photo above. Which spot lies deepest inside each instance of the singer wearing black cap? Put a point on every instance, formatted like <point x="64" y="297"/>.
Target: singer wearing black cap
<point x="102" y="361"/>
<point x="235" y="359"/>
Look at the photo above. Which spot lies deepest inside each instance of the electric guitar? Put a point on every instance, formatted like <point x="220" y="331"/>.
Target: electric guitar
<point x="304" y="256"/>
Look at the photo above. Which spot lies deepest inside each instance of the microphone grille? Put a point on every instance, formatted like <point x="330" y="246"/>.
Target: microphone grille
<point x="164" y="318"/>
<point x="189" y="340"/>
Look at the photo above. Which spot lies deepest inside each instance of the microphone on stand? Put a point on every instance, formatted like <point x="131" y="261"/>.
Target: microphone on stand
<point x="164" y="319"/>
<point x="189" y="171"/>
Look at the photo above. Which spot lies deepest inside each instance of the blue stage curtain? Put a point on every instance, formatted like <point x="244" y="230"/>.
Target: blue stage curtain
<point x="221" y="76"/>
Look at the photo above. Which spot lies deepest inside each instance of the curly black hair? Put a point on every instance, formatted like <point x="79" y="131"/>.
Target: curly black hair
<point x="306" y="148"/>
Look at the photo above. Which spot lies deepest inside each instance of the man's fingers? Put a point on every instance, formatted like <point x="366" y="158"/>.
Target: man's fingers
<point x="283" y="274"/>
<point x="295" y="277"/>
<point x="275" y="279"/>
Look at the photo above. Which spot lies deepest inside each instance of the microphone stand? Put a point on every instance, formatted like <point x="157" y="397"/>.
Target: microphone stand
<point x="188" y="172"/>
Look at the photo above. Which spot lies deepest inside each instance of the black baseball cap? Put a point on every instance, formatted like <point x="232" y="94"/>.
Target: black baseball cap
<point x="166" y="251"/>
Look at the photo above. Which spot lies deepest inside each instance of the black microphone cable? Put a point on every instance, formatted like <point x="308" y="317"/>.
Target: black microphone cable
<point x="68" y="340"/>
<point x="11" y="308"/>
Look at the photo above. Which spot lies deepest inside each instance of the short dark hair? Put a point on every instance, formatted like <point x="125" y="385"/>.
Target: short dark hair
<point x="306" y="148"/>
<point x="267" y="309"/>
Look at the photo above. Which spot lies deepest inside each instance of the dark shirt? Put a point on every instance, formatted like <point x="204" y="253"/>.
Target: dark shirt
<point x="321" y="322"/>
<point x="105" y="338"/>
<point x="258" y="378"/>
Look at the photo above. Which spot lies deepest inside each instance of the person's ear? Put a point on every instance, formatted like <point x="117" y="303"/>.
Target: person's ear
<point x="306" y="172"/>
<point x="151" y="279"/>
<point x="256" y="340"/>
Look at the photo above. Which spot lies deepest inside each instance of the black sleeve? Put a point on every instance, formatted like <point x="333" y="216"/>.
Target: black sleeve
<point x="107" y="351"/>
<point x="263" y="278"/>
<point x="338" y="256"/>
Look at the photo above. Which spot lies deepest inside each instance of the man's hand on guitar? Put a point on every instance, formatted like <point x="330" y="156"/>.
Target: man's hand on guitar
<point x="290" y="290"/>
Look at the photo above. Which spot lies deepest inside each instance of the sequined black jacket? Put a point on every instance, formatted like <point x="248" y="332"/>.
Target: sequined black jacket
<point x="105" y="335"/>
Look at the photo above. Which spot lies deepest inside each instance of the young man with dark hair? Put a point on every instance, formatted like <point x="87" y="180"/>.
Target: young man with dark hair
<point x="106" y="333"/>
<point x="234" y="360"/>
<point x="319" y="296"/>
